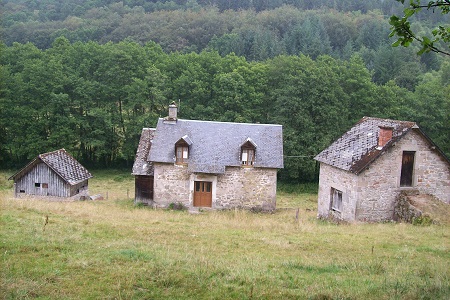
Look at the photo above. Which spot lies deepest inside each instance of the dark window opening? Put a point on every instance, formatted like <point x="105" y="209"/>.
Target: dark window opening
<point x="22" y="191"/>
<point x="336" y="200"/>
<point x="37" y="184"/>
<point x="406" y="176"/>
<point x="45" y="185"/>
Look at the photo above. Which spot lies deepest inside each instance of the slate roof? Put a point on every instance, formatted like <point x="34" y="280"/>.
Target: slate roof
<point x="357" y="148"/>
<point x="141" y="166"/>
<point x="216" y="145"/>
<point x="60" y="161"/>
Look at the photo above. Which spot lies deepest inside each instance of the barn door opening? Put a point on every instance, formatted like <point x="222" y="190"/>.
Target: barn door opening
<point x="202" y="194"/>
<point x="406" y="177"/>
<point x="144" y="188"/>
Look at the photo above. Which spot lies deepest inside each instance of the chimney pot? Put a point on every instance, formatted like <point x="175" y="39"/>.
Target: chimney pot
<point x="173" y="111"/>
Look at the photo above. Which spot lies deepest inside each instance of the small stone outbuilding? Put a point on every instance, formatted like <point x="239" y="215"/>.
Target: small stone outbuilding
<point x="55" y="174"/>
<point x="364" y="171"/>
<point x="217" y="165"/>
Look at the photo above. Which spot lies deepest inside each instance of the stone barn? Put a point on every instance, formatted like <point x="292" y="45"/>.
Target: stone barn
<point x="54" y="173"/>
<point x="364" y="171"/>
<point x="217" y="165"/>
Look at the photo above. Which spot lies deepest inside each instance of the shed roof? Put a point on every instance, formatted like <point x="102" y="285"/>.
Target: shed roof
<point x="60" y="161"/>
<point x="141" y="166"/>
<point x="216" y="145"/>
<point x="356" y="149"/>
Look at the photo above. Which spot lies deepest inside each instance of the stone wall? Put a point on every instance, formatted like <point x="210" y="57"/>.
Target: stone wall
<point x="431" y="170"/>
<point x="251" y="188"/>
<point x="380" y="183"/>
<point x="171" y="184"/>
<point x="331" y="177"/>
<point x="371" y="195"/>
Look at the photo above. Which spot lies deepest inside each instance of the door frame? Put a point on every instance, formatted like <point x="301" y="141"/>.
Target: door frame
<point x="203" y="194"/>
<point x="203" y="177"/>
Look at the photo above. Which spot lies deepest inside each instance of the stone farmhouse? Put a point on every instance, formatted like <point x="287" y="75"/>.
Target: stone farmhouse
<point x="55" y="174"/>
<point x="364" y="171"/>
<point x="218" y="165"/>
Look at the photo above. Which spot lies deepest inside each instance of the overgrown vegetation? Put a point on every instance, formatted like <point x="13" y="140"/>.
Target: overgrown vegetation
<point x="111" y="249"/>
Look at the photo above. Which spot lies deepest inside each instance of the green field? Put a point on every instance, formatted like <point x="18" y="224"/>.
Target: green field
<point x="110" y="249"/>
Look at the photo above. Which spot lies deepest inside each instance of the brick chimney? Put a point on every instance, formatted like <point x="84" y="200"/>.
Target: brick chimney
<point x="384" y="136"/>
<point x="173" y="111"/>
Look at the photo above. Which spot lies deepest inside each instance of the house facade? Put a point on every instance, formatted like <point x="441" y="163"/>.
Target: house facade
<point x="54" y="173"/>
<point x="363" y="172"/>
<point x="219" y="165"/>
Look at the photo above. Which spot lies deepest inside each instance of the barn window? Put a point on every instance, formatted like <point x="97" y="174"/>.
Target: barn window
<point x="37" y="184"/>
<point x="336" y="200"/>
<point x="45" y="185"/>
<point x="22" y="191"/>
<point x="248" y="153"/>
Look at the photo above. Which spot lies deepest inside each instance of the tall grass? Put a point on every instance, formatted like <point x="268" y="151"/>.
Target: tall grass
<point x="113" y="250"/>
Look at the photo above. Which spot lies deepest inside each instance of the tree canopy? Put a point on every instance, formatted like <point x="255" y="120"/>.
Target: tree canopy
<point x="94" y="99"/>
<point x="439" y="39"/>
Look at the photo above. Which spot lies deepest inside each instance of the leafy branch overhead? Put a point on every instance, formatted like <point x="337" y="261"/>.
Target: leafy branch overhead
<point x="402" y="27"/>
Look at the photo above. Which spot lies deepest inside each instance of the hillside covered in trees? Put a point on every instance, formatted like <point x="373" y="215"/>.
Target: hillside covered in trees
<point x="88" y="75"/>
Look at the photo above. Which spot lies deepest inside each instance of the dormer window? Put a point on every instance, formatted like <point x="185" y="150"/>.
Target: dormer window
<point x="248" y="153"/>
<point x="182" y="150"/>
<point x="182" y="154"/>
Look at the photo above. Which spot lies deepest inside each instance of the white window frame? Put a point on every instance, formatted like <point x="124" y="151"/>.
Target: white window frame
<point x="336" y="200"/>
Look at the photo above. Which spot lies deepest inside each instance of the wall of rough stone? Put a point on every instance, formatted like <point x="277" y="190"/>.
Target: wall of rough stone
<point x="431" y="170"/>
<point x="171" y="184"/>
<point x="380" y="183"/>
<point x="251" y="188"/>
<point x="371" y="195"/>
<point x="331" y="177"/>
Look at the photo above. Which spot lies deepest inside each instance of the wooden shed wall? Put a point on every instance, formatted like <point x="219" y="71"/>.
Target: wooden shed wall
<point x="50" y="183"/>
<point x="79" y="187"/>
<point x="143" y="189"/>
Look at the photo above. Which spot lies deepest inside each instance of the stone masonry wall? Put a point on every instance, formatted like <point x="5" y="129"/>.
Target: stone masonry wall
<point x="171" y="184"/>
<point x="331" y="177"/>
<point x="251" y="188"/>
<point x="379" y="185"/>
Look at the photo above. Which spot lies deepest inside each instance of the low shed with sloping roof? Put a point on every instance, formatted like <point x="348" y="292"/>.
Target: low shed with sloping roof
<point x="54" y="173"/>
<point x="364" y="171"/>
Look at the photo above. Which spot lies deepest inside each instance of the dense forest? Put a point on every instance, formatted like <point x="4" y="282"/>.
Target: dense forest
<point x="89" y="75"/>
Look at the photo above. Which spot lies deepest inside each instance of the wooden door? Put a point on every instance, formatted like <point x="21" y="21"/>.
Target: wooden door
<point x="406" y="177"/>
<point x="202" y="194"/>
<point x="144" y="188"/>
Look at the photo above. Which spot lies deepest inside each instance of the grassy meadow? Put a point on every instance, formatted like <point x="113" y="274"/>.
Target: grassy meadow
<point x="111" y="249"/>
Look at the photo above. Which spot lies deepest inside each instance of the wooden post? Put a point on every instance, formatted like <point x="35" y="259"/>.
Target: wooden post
<point x="106" y="195"/>
<point x="128" y="190"/>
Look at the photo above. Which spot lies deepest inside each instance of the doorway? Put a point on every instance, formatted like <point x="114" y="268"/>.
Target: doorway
<point x="202" y="194"/>
<point x="406" y="176"/>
